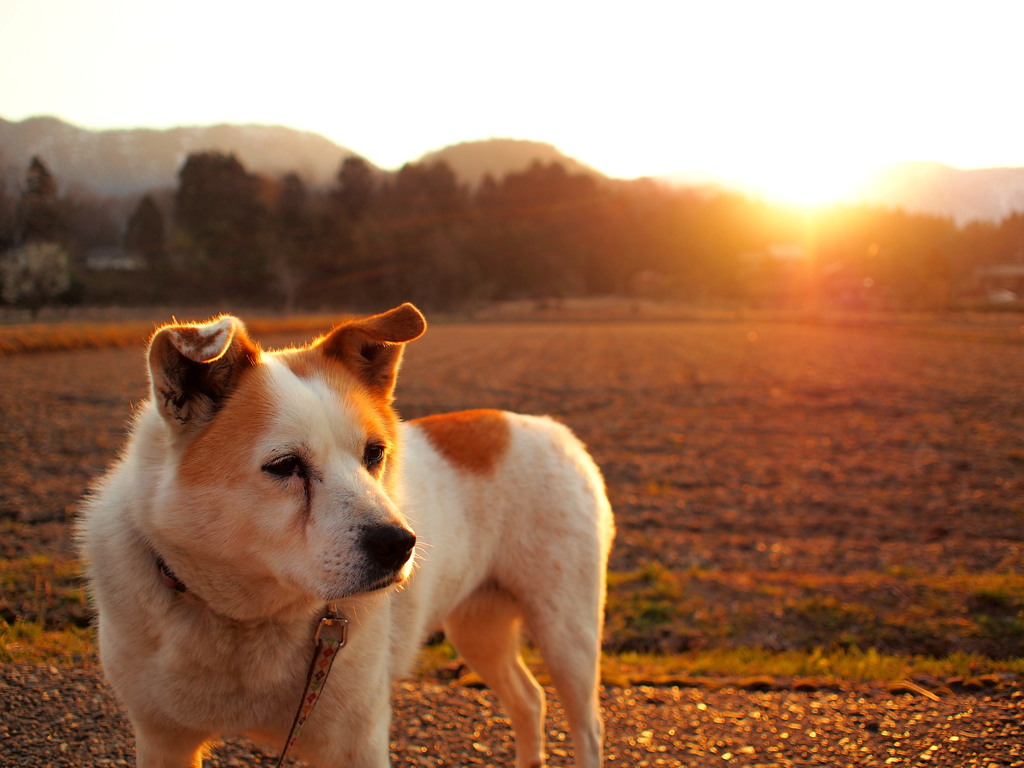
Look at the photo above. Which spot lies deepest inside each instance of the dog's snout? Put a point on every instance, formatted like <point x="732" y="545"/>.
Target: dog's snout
<point x="390" y="546"/>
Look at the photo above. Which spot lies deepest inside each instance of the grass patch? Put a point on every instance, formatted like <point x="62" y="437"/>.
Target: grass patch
<point x="751" y="667"/>
<point x="831" y="666"/>
<point x="53" y="337"/>
<point x="709" y="619"/>
<point x="46" y="591"/>
<point x="657" y="610"/>
<point x="28" y="642"/>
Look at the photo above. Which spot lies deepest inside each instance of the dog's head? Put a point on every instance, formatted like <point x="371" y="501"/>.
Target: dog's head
<point x="273" y="472"/>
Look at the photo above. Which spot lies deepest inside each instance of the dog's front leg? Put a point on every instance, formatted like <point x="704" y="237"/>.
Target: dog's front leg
<point x="162" y="747"/>
<point x="358" y="736"/>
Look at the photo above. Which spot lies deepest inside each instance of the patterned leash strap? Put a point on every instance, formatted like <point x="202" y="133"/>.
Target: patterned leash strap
<point x="331" y="635"/>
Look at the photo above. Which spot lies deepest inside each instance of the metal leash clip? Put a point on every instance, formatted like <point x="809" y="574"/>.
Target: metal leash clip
<point x="334" y="630"/>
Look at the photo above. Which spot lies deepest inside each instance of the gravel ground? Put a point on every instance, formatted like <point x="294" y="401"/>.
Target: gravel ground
<point x="68" y="717"/>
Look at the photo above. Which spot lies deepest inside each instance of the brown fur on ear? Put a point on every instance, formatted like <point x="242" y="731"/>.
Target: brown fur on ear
<point x="371" y="347"/>
<point x="194" y="367"/>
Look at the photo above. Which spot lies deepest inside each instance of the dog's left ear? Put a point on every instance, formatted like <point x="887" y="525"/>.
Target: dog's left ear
<point x="371" y="347"/>
<point x="193" y="368"/>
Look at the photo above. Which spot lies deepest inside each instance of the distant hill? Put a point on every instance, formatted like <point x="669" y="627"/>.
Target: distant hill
<point x="986" y="194"/>
<point x="472" y="160"/>
<point x="127" y="162"/>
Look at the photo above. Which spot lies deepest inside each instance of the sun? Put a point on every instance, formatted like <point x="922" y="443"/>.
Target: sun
<point x="804" y="182"/>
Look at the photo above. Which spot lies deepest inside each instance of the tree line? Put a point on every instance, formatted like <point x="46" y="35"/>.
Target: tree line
<point x="371" y="238"/>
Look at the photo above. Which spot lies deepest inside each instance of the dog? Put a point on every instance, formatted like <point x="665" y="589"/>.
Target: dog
<point x="258" y="488"/>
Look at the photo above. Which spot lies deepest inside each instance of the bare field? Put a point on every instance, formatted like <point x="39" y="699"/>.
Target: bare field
<point x="778" y="485"/>
<point x="789" y="487"/>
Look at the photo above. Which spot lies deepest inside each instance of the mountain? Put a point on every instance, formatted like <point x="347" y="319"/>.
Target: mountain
<point x="472" y="160"/>
<point x="127" y="162"/>
<point x="986" y="194"/>
<point x="131" y="161"/>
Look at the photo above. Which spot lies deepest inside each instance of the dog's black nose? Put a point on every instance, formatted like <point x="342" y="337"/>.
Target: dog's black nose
<point x="389" y="545"/>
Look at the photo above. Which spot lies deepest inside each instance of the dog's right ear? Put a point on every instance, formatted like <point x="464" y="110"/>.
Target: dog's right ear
<point x="194" y="367"/>
<point x="371" y="347"/>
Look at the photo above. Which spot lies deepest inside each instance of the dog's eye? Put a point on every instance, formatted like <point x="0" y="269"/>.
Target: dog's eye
<point x="286" y="466"/>
<point x="373" y="455"/>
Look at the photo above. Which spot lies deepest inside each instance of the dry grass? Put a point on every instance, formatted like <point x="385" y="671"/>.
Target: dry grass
<point x="752" y="667"/>
<point x="63" y="336"/>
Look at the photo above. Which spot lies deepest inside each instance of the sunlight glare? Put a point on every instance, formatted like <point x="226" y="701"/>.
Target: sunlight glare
<point x="806" y="182"/>
<point x="797" y="103"/>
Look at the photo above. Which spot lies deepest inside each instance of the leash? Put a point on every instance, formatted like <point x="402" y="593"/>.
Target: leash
<point x="331" y="636"/>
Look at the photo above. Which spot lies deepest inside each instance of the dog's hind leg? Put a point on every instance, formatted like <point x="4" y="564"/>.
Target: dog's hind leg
<point x="568" y="634"/>
<point x="485" y="630"/>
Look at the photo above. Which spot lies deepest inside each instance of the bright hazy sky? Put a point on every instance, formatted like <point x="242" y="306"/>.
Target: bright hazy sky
<point x="795" y="98"/>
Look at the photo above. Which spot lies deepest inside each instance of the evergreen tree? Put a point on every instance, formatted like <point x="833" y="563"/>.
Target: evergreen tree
<point x="356" y="187"/>
<point x="294" y="241"/>
<point x="145" y="233"/>
<point x="38" y="218"/>
<point x="219" y="209"/>
<point x="8" y="210"/>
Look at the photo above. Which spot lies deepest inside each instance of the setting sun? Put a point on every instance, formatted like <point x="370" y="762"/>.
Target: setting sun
<point x="801" y="182"/>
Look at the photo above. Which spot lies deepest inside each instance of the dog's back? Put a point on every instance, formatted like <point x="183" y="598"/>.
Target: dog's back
<point x="516" y="529"/>
<point x="501" y="501"/>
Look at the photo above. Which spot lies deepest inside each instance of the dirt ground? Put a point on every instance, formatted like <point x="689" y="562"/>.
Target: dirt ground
<point x="66" y="718"/>
<point x="804" y="478"/>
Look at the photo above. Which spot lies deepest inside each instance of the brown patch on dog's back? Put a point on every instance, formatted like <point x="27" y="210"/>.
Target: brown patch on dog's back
<point x="471" y="440"/>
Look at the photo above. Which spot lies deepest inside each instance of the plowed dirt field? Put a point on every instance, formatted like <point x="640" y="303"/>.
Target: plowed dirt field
<point x="785" y="486"/>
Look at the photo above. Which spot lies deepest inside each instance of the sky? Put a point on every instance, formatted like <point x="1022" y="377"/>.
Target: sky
<point x="799" y="100"/>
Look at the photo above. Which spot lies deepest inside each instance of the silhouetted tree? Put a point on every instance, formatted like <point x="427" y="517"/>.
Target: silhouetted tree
<point x="292" y="255"/>
<point x="420" y="234"/>
<point x="37" y="214"/>
<point x="8" y="211"/>
<point x="419" y="227"/>
<point x="218" y="206"/>
<point x="355" y="188"/>
<point x="545" y="232"/>
<point x="145" y="235"/>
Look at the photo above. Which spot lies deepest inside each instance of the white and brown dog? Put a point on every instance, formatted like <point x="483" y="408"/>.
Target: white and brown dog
<point x="259" y="487"/>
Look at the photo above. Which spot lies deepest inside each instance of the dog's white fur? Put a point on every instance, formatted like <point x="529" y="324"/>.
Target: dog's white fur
<point x="255" y="477"/>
